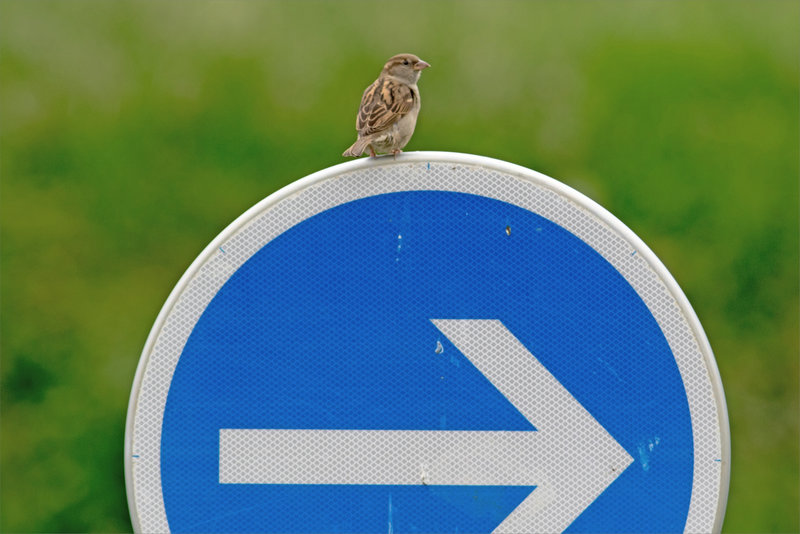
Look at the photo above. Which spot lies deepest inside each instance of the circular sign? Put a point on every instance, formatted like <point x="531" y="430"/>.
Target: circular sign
<point x="437" y="343"/>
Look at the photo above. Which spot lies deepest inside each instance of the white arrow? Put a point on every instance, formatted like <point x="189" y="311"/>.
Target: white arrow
<point x="571" y="458"/>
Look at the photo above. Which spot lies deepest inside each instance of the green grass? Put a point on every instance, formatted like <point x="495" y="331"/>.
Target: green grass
<point x="132" y="133"/>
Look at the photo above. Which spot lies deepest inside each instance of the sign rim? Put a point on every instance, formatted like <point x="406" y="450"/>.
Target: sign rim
<point x="537" y="178"/>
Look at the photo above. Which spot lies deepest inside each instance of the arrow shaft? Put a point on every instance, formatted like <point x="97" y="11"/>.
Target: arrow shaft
<point x="396" y="457"/>
<point x="570" y="458"/>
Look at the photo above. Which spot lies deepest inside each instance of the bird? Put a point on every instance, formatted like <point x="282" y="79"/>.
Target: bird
<point x="389" y="108"/>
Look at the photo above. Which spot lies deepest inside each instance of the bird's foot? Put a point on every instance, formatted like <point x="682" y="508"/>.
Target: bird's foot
<point x="372" y="152"/>
<point x="395" y="152"/>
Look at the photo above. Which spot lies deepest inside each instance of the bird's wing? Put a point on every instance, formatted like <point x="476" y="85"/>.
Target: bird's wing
<point x="384" y="102"/>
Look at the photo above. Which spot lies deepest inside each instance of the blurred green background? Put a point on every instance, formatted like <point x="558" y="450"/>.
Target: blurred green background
<point x="133" y="133"/>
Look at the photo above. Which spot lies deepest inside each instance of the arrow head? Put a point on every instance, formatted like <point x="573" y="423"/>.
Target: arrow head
<point x="575" y="458"/>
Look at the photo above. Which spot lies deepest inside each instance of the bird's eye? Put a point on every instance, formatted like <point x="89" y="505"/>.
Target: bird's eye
<point x="405" y="62"/>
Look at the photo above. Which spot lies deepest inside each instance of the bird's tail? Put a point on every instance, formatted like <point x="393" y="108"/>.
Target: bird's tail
<point x="357" y="149"/>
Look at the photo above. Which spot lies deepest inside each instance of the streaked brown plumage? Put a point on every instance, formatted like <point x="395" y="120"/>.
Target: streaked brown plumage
<point x="389" y="108"/>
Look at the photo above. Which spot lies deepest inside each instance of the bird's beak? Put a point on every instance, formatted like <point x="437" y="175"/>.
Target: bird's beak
<point x="421" y="65"/>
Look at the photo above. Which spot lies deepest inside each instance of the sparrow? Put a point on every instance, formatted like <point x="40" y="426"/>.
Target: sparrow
<point x="389" y="108"/>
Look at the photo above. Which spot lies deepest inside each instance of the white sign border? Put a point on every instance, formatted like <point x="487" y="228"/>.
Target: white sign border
<point x="231" y="248"/>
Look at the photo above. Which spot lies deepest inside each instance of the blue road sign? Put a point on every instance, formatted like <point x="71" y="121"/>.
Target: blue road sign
<point x="440" y="343"/>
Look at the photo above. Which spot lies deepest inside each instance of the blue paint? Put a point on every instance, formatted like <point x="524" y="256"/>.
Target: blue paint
<point x="609" y="368"/>
<point x="322" y="328"/>
<point x="390" y="530"/>
<point x="645" y="451"/>
<point x="644" y="457"/>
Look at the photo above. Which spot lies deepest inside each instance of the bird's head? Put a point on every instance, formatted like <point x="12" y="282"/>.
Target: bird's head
<point x="406" y="67"/>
